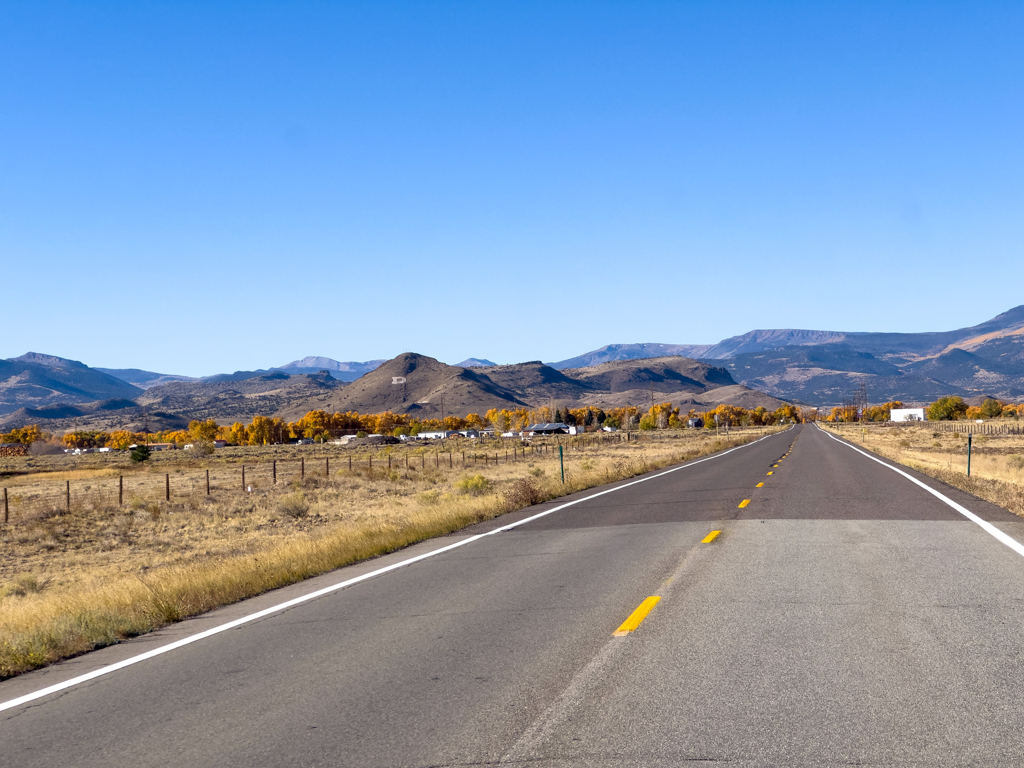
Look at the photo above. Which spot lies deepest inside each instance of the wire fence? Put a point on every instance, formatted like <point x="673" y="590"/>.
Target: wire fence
<point x="964" y="427"/>
<point x="30" y="500"/>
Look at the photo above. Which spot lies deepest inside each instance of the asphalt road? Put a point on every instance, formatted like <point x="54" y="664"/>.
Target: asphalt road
<point x="843" y="616"/>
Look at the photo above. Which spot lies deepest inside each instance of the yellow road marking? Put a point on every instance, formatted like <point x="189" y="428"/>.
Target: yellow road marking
<point x="769" y="473"/>
<point x="744" y="503"/>
<point x="760" y="485"/>
<point x="775" y="465"/>
<point x="710" y="537"/>
<point x="636" y="617"/>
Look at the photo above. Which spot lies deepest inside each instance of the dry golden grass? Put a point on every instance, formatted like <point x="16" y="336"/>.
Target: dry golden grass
<point x="997" y="461"/>
<point x="73" y="582"/>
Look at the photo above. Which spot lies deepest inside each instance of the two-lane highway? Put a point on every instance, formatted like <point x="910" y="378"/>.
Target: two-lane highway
<point x="841" y="614"/>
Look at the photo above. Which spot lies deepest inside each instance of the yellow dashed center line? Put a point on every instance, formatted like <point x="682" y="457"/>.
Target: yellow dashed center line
<point x="744" y="503"/>
<point x="710" y="537"/>
<point x="636" y="617"/>
<point x="769" y="473"/>
<point x="760" y="485"/>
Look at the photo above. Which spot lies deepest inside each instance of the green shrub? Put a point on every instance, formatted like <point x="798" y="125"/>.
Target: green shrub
<point x="474" y="485"/>
<point x="947" y="408"/>
<point x="140" y="453"/>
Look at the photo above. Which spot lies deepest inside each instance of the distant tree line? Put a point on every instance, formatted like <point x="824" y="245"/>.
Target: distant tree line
<point x="944" y="409"/>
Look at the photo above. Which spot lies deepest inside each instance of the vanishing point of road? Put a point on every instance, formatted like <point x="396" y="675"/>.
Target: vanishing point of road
<point x="841" y="615"/>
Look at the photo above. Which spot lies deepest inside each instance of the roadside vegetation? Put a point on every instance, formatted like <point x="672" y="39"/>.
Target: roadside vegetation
<point x="81" y="571"/>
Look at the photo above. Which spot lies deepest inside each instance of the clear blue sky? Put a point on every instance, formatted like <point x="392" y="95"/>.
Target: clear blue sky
<point x="196" y="188"/>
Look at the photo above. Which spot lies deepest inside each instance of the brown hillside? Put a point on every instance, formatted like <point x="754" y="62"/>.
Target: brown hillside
<point x="427" y="380"/>
<point x="664" y="374"/>
<point x="535" y="383"/>
<point x="228" y="401"/>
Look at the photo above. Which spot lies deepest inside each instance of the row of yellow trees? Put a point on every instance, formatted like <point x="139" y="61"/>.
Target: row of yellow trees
<point x="265" y="430"/>
<point x="321" y="425"/>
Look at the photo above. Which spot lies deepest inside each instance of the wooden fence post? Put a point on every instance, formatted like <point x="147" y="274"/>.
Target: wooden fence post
<point x="302" y="468"/>
<point x="67" y="497"/>
<point x="167" y="486"/>
<point x="327" y="466"/>
<point x="350" y="463"/>
<point x="7" y="512"/>
<point x="120" y="490"/>
<point x="207" y="482"/>
<point x="275" y="471"/>
<point x="243" y="477"/>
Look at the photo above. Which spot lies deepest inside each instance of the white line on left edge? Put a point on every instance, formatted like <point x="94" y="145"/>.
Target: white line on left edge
<point x="986" y="526"/>
<point x="333" y="588"/>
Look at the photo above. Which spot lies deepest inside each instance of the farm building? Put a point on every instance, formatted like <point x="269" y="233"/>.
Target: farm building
<point x="551" y="428"/>
<point x="907" y="414"/>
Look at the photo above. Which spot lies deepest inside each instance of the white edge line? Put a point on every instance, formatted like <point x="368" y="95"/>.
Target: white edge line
<point x="57" y="687"/>
<point x="986" y="526"/>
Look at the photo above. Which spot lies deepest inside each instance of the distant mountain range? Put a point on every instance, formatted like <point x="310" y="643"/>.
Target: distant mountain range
<point x="827" y="367"/>
<point x="349" y="371"/>
<point x="409" y="383"/>
<point x="417" y="384"/>
<point x="37" y="380"/>
<point x="806" y="366"/>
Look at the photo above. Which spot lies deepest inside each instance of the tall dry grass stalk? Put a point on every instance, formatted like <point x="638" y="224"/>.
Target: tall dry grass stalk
<point x="73" y="583"/>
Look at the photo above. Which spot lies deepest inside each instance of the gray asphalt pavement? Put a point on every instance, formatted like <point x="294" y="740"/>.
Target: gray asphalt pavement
<point x="843" y="616"/>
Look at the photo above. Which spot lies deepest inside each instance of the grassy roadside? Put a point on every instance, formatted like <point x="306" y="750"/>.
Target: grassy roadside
<point x="91" y="578"/>
<point x="997" y="461"/>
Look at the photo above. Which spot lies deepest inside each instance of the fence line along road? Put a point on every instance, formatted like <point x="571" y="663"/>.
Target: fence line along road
<point x="139" y="489"/>
<point x="964" y="427"/>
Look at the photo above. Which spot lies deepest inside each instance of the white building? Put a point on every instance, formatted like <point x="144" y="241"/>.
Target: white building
<point x="907" y="414"/>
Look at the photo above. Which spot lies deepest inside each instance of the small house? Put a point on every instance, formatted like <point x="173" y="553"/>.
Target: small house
<point x="549" y="428"/>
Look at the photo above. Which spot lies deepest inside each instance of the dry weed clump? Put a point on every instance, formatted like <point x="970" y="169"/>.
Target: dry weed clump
<point x="72" y="581"/>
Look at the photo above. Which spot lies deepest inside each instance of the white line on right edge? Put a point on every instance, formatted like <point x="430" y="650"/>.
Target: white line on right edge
<point x="986" y="526"/>
<point x="335" y="587"/>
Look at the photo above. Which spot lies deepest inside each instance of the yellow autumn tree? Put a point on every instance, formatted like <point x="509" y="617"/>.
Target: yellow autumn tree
<point x="204" y="431"/>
